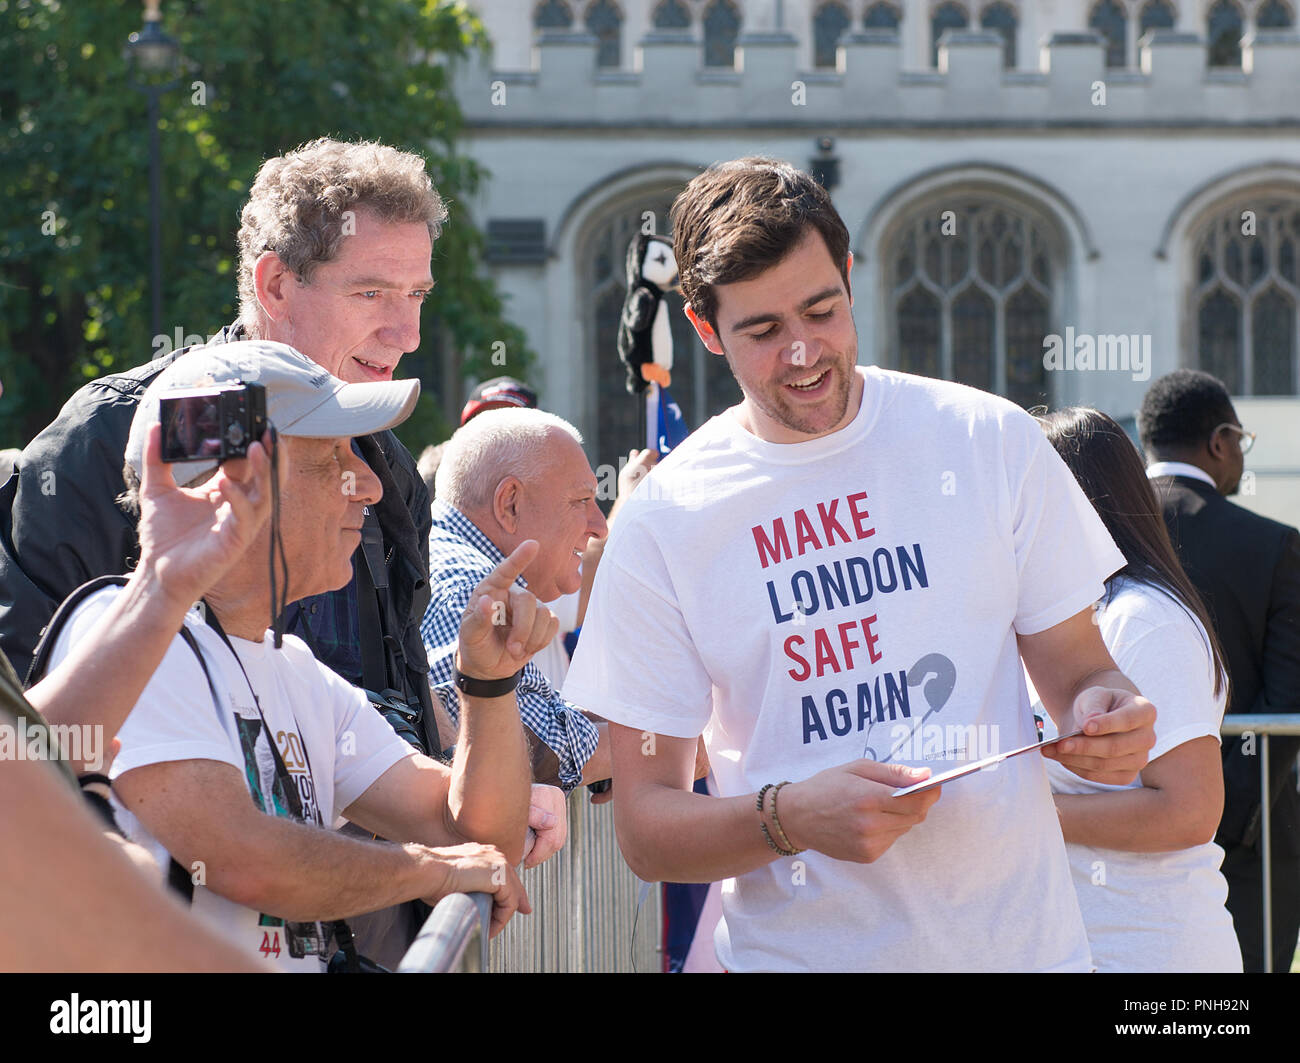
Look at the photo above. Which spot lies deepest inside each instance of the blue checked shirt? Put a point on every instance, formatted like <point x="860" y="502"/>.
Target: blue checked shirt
<point x="459" y="557"/>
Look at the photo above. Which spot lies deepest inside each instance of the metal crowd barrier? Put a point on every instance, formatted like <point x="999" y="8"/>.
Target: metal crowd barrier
<point x="584" y="918"/>
<point x="1264" y="725"/>
<point x="585" y="898"/>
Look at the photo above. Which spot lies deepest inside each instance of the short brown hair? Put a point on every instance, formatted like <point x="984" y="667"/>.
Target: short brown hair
<point x="297" y="204"/>
<point x="739" y="218"/>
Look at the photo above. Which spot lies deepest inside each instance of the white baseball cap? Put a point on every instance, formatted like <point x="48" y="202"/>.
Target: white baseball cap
<point x="302" y="399"/>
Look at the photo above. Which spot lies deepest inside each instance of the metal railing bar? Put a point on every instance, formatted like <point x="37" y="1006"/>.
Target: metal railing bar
<point x="1265" y="724"/>
<point x="1266" y="853"/>
<point x="1270" y="723"/>
<point x="442" y="945"/>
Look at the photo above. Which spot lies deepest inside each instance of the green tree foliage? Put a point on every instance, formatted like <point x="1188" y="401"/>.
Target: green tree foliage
<point x="260" y="78"/>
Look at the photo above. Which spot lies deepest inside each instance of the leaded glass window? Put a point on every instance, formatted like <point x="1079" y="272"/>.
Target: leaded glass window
<point x="552" y="15"/>
<point x="1224" y="29"/>
<point x="702" y="383"/>
<point x="1274" y="15"/>
<point x="1246" y="295"/>
<point x="1108" y="19"/>
<point x="604" y="21"/>
<point x="672" y="15"/>
<point x="881" y="17"/>
<point x="829" y="24"/>
<point x="945" y="17"/>
<point x="721" y="28"/>
<point x="1001" y="18"/>
<point x="972" y="297"/>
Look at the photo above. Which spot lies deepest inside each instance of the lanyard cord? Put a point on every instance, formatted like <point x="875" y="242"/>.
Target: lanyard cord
<point x="281" y="770"/>
<point x="342" y="932"/>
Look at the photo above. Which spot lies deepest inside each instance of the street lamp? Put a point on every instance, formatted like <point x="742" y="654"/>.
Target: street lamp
<point x="152" y="61"/>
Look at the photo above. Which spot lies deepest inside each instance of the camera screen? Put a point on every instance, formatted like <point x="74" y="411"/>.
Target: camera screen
<point x="191" y="427"/>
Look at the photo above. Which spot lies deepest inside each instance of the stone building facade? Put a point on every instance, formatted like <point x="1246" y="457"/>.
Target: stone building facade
<point x="1119" y="176"/>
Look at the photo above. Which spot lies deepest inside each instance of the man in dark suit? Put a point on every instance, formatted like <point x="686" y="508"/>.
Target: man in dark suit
<point x="1247" y="568"/>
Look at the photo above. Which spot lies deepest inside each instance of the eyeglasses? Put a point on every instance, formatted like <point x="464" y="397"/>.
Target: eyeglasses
<point x="1247" y="438"/>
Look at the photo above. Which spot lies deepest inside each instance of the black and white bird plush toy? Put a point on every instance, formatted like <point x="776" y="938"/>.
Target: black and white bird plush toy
<point x="645" y="342"/>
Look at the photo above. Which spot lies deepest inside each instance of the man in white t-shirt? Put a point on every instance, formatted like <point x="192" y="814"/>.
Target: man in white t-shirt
<point x="835" y="581"/>
<point x="231" y="715"/>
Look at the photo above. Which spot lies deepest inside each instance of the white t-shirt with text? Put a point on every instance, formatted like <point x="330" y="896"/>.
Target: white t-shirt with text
<point x="857" y="595"/>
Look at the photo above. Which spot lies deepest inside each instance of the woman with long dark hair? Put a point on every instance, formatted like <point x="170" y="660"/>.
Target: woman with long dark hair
<point x="1142" y="856"/>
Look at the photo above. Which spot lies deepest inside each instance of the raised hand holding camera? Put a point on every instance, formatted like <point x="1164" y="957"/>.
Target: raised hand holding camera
<point x="189" y="537"/>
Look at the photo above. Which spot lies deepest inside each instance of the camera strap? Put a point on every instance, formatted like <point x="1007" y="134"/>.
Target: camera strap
<point x="287" y="783"/>
<point x="372" y="577"/>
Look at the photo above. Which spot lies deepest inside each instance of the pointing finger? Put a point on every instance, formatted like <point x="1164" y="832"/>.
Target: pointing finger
<point x="504" y="575"/>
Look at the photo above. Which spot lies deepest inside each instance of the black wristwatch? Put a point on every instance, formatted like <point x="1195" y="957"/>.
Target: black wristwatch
<point x="484" y="688"/>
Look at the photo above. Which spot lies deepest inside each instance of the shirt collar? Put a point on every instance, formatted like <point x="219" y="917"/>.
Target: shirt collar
<point x="1179" y="468"/>
<point x="450" y="519"/>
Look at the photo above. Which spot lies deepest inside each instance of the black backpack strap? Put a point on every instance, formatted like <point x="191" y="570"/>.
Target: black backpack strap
<point x="372" y="577"/>
<point x="383" y="665"/>
<point x="50" y="632"/>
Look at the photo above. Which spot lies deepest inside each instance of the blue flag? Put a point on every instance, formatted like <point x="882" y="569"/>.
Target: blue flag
<point x="669" y="427"/>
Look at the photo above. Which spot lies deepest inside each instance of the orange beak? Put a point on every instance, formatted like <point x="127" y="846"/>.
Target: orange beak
<point x="656" y="373"/>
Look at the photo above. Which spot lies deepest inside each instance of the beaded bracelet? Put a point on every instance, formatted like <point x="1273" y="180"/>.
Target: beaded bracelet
<point x="776" y="822"/>
<point x="758" y="805"/>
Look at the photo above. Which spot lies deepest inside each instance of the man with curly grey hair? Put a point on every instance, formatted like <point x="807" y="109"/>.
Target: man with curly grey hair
<point x="335" y="245"/>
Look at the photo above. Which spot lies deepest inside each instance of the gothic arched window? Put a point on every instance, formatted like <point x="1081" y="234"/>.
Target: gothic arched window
<point x="945" y="17"/>
<point x="1001" y="18"/>
<point x="829" y="24"/>
<point x="552" y="15"/>
<point x="1245" y="296"/>
<point x="702" y="383"/>
<point x="1224" y="29"/>
<point x="1274" y="15"/>
<point x="604" y="21"/>
<point x="1155" y="15"/>
<point x="721" y="28"/>
<point x="970" y="292"/>
<point x="881" y="17"/>
<point x="1108" y="19"/>
<point x="672" y="15"/>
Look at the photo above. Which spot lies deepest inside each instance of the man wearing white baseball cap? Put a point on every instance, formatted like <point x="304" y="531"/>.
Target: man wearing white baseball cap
<point x="231" y="715"/>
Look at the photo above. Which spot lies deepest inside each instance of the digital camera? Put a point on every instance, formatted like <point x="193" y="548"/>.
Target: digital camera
<point x="212" y="423"/>
<point x="403" y="716"/>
